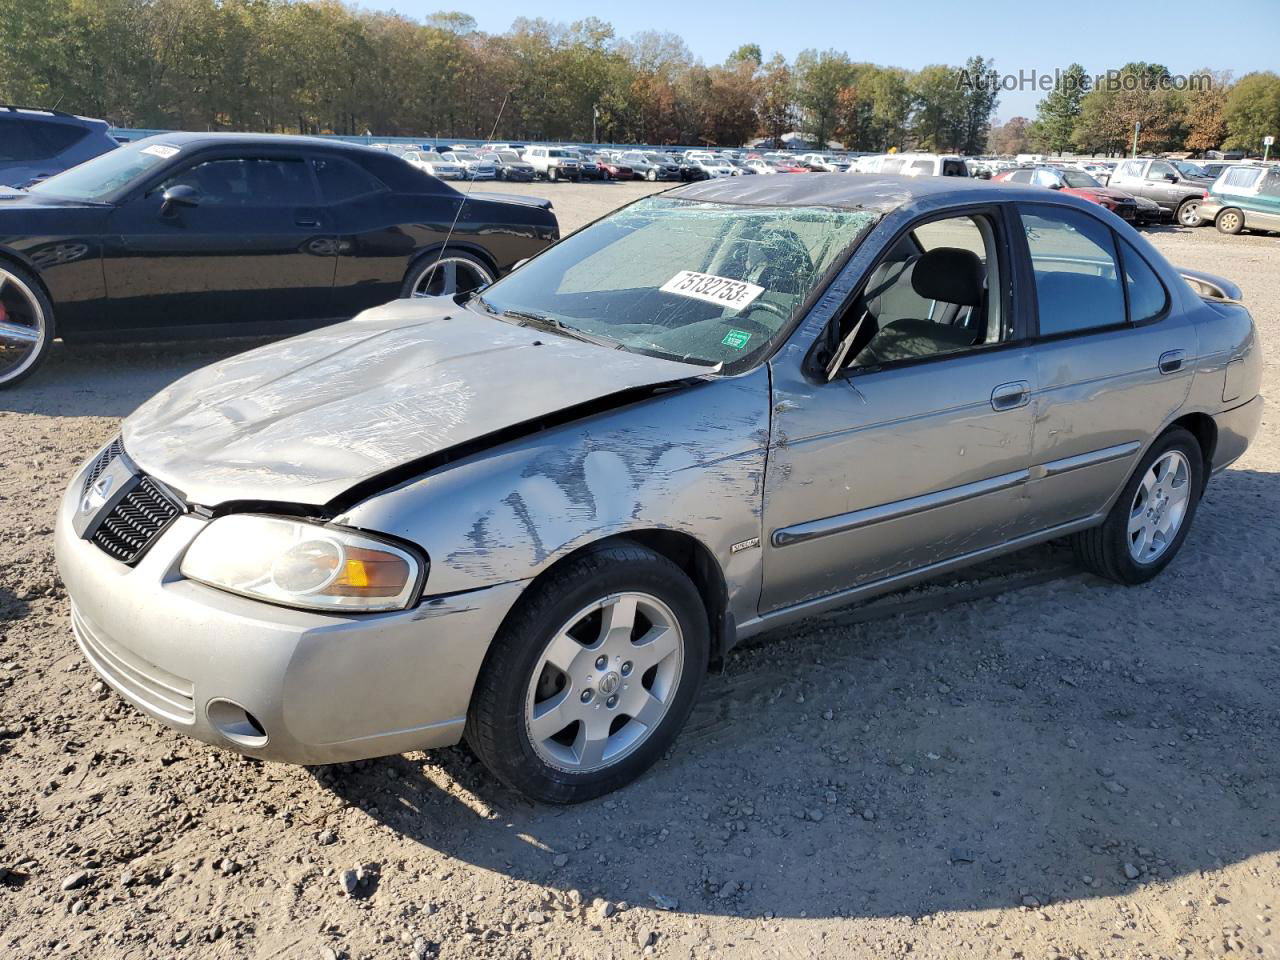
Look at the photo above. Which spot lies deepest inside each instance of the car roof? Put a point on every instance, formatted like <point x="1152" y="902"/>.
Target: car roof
<point x="857" y="191"/>
<point x="185" y="138"/>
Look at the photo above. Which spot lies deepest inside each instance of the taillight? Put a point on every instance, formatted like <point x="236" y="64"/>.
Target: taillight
<point x="1206" y="195"/>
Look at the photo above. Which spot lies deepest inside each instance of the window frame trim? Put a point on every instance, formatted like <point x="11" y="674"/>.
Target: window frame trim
<point x="999" y="216"/>
<point x="1035" y="336"/>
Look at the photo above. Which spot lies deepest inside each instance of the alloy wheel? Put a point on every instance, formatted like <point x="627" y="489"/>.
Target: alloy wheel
<point x="1189" y="214"/>
<point x="604" y="682"/>
<point x="449" y="276"/>
<point x="22" y="326"/>
<point x="1159" y="507"/>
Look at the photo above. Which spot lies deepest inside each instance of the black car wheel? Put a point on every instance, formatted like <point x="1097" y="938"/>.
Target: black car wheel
<point x="26" y="324"/>
<point x="1149" y="522"/>
<point x="445" y="273"/>
<point x="592" y="675"/>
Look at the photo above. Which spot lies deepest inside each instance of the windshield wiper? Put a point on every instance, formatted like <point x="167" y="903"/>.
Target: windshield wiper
<point x="542" y="321"/>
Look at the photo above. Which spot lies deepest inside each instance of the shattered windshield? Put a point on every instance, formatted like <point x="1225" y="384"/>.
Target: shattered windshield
<point x="703" y="282"/>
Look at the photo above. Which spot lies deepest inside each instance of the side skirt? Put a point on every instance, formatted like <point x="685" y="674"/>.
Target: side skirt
<point x="866" y="591"/>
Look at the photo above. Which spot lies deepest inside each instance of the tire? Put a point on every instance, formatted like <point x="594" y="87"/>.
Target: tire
<point x="1230" y="221"/>
<point x="518" y="669"/>
<point x="470" y="272"/>
<point x="1186" y="215"/>
<point x="651" y="176"/>
<point x="552" y="174"/>
<point x="24" y="306"/>
<point x="1107" y="549"/>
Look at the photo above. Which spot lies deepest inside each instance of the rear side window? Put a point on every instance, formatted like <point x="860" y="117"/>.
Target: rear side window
<point x="1147" y="295"/>
<point x="1271" y="184"/>
<point x="1077" y="281"/>
<point x="343" y="180"/>
<point x="1021" y="176"/>
<point x="1131" y="168"/>
<point x="248" y="183"/>
<point x="1242" y="177"/>
<point x="24" y="138"/>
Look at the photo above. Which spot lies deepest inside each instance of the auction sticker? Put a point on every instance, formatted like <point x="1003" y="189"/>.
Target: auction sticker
<point x="734" y="294"/>
<point x="161" y="151"/>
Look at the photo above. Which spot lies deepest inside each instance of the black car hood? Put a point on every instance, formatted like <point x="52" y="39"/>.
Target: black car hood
<point x="304" y="420"/>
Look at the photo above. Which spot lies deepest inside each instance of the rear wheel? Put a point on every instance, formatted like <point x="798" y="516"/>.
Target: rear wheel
<point x="1230" y="221"/>
<point x="445" y="274"/>
<point x="1188" y="212"/>
<point x="592" y="676"/>
<point x="26" y="324"/>
<point x="1146" y="528"/>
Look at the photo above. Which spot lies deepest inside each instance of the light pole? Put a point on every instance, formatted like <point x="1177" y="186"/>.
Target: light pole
<point x="1137" y="125"/>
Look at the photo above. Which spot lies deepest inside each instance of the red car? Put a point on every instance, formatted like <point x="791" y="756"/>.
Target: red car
<point x="614" y="169"/>
<point x="1077" y="183"/>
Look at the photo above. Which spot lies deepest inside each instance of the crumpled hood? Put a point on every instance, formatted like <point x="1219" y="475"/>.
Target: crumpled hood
<point x="305" y="419"/>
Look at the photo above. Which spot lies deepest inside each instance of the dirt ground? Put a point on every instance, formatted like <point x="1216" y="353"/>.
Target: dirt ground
<point x="1021" y="762"/>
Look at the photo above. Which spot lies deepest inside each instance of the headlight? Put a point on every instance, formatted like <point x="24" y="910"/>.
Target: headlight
<point x="299" y="563"/>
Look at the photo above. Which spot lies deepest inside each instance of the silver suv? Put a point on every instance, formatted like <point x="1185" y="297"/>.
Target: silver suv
<point x="1176" y="187"/>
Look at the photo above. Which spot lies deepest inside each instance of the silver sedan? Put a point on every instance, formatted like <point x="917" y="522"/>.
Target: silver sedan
<point x="532" y="518"/>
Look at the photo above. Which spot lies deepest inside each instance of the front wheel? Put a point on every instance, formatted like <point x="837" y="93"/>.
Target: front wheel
<point x="651" y="176"/>
<point x="1149" y="522"/>
<point x="26" y="324"/>
<point x="1188" y="213"/>
<point x="1230" y="221"/>
<point x="591" y="677"/>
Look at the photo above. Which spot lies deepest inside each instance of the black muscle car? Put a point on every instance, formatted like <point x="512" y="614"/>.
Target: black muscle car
<point x="200" y="234"/>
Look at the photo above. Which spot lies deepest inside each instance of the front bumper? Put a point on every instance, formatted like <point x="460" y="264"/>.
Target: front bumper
<point x="267" y="681"/>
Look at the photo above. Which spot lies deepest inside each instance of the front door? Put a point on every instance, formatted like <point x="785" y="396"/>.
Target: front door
<point x="916" y="450"/>
<point x="254" y="249"/>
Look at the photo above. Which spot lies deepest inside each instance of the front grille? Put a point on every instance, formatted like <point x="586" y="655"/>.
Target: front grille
<point x="100" y="463"/>
<point x="136" y="521"/>
<point x="141" y="681"/>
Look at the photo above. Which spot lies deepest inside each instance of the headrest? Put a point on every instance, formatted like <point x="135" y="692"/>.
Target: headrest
<point x="951" y="275"/>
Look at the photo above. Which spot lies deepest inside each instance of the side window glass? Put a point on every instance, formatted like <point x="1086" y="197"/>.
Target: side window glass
<point x="1077" y="282"/>
<point x="1044" y="178"/>
<point x="1159" y="170"/>
<point x="248" y="183"/>
<point x="1021" y="176"/>
<point x="343" y="180"/>
<point x="927" y="299"/>
<point x="1147" y="296"/>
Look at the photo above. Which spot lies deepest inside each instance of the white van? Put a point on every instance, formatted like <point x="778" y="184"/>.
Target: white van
<point x="913" y="165"/>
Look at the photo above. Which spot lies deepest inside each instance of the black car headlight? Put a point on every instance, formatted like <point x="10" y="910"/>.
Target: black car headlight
<point x="301" y="563"/>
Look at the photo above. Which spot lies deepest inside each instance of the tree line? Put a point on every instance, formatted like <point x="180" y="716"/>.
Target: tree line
<point x="321" y="66"/>
<point x="317" y="66"/>
<point x="1210" y="114"/>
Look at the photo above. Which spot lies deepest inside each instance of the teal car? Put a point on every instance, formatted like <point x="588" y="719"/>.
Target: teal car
<point x="1245" y="197"/>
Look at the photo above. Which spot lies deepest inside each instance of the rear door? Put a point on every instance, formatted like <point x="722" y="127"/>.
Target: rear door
<point x="256" y="250"/>
<point x="1114" y="361"/>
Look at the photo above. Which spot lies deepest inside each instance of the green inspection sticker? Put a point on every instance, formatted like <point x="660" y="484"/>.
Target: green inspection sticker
<point x="736" y="339"/>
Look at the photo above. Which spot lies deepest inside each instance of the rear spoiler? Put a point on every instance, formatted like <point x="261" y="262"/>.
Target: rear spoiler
<point x="1211" y="287"/>
<point x="513" y="198"/>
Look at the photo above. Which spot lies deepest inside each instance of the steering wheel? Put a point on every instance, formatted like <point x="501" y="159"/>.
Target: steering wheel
<point x="768" y="307"/>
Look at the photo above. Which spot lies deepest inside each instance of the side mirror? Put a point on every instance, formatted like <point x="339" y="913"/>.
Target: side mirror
<point x="1171" y="177"/>
<point x="1055" y="186"/>
<point x="178" y="196"/>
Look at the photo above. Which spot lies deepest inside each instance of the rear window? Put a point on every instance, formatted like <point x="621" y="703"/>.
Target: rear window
<point x="27" y="138"/>
<point x="1241" y="177"/>
<point x="342" y="180"/>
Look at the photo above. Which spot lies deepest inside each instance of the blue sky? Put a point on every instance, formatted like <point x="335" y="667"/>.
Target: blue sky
<point x="1019" y="34"/>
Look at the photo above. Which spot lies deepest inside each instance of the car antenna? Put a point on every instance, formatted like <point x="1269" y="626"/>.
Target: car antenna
<point x="470" y="186"/>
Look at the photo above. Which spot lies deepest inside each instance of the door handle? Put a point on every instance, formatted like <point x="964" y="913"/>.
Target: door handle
<point x="1011" y="396"/>
<point x="1171" y="360"/>
<point x="305" y="222"/>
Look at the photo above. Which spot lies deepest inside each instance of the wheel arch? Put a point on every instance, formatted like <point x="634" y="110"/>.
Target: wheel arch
<point x="9" y="255"/>
<point x="1205" y="430"/>
<point x="689" y="554"/>
<point x="461" y="244"/>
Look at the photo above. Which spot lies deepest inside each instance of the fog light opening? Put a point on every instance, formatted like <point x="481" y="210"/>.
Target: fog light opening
<point x="236" y="724"/>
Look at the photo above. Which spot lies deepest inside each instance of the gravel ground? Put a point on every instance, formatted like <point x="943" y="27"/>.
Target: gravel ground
<point x="1022" y="762"/>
